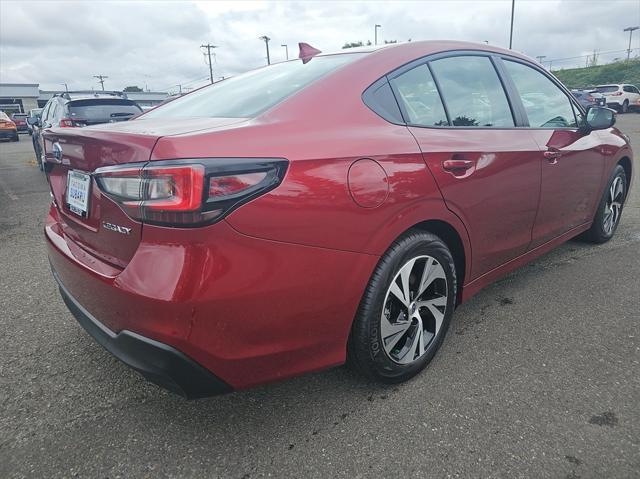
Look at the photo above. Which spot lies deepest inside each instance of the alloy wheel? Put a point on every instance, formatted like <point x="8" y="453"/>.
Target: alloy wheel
<point x="414" y="308"/>
<point x="613" y="206"/>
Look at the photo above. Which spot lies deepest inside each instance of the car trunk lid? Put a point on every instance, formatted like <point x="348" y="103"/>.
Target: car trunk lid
<point x="72" y="155"/>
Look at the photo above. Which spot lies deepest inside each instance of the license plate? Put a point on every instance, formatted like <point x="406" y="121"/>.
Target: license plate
<point x="78" y="185"/>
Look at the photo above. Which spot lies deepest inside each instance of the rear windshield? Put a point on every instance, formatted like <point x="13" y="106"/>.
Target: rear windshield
<point x="607" y="88"/>
<point x="104" y="110"/>
<point x="19" y="115"/>
<point x="251" y="93"/>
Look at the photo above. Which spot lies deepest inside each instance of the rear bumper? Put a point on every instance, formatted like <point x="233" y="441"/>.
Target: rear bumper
<point x="8" y="134"/>
<point x="156" y="361"/>
<point x="248" y="310"/>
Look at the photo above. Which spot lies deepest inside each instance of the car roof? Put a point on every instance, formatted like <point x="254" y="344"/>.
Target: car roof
<point x="91" y="95"/>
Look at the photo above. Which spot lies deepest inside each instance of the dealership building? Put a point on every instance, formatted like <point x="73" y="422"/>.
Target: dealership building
<point x="22" y="97"/>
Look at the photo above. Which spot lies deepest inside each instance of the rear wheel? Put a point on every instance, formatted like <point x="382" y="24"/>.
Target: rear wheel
<point x="625" y="106"/>
<point x="17" y="138"/>
<point x="406" y="309"/>
<point x="609" y="210"/>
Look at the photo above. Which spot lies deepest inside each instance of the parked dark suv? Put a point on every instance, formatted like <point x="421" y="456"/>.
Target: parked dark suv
<point x="78" y="109"/>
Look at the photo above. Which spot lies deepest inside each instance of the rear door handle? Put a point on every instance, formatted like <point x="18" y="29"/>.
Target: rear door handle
<point x="456" y="164"/>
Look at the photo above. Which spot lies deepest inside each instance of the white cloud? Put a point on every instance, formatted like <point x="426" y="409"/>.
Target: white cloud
<point x="157" y="43"/>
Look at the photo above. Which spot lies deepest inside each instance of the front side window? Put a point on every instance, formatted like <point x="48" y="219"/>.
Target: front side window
<point x="472" y="92"/>
<point x="546" y="105"/>
<point x="419" y="95"/>
<point x="45" y="112"/>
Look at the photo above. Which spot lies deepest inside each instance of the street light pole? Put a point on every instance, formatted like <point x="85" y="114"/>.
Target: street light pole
<point x="266" y="42"/>
<point x="513" y="8"/>
<point x="286" y="49"/>
<point x="630" y="30"/>
<point x="376" y="33"/>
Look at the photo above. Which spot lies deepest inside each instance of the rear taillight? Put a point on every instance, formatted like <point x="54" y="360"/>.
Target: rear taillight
<point x="70" y="122"/>
<point x="188" y="193"/>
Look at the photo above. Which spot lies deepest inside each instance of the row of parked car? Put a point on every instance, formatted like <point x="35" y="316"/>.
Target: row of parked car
<point x="620" y="97"/>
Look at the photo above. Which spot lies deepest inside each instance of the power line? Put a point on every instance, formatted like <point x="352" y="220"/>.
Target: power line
<point x="588" y="55"/>
<point x="101" y="79"/>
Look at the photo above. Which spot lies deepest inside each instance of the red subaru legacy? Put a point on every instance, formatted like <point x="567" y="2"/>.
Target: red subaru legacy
<point x="292" y="217"/>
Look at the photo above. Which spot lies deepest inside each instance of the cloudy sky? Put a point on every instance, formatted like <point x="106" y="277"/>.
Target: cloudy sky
<point x="157" y="44"/>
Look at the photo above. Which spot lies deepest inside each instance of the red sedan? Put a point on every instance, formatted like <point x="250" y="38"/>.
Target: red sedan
<point x="285" y="219"/>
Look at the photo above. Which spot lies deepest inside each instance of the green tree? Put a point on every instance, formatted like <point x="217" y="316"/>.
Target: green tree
<point x="133" y="88"/>
<point x="353" y="44"/>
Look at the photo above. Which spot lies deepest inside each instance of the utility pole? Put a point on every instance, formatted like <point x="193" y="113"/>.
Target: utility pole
<point x="376" y="33"/>
<point x="66" y="88"/>
<point x="513" y="8"/>
<point x="630" y="30"/>
<point x="540" y="57"/>
<point x="101" y="79"/>
<point x="209" y="47"/>
<point x="266" y="42"/>
<point x="286" y="49"/>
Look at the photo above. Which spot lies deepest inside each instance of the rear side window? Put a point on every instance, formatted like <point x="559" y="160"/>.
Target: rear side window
<point x="102" y="111"/>
<point x="546" y="105"/>
<point x="420" y="98"/>
<point x="251" y="93"/>
<point x="472" y="92"/>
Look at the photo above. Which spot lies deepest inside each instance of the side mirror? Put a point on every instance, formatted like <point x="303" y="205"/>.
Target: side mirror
<point x="599" y="118"/>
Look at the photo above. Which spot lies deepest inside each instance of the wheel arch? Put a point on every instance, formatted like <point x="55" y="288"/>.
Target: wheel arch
<point x="625" y="162"/>
<point x="447" y="233"/>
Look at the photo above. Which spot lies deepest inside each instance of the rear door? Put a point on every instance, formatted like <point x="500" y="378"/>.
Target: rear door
<point x="571" y="160"/>
<point x="487" y="170"/>
<point x="44" y="124"/>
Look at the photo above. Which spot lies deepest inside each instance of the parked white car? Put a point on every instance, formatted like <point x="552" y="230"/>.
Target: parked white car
<point x="621" y="97"/>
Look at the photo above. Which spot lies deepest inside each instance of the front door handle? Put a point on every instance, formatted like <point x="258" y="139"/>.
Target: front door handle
<point x="552" y="155"/>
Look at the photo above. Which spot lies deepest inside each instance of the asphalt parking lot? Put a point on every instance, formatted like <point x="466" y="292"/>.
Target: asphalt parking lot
<point x="538" y="377"/>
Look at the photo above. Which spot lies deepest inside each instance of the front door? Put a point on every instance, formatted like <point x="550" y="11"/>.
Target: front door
<point x="571" y="161"/>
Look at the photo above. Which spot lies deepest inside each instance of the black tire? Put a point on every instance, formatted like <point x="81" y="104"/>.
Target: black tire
<point x="598" y="232"/>
<point x="625" y="106"/>
<point x="365" y="349"/>
<point x="17" y="138"/>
